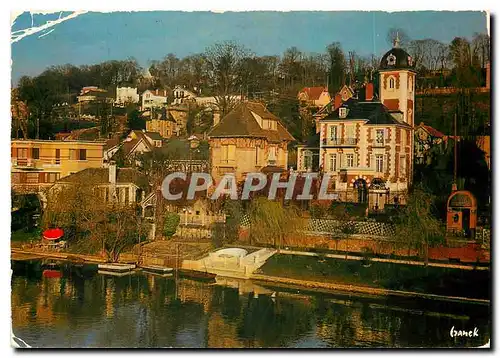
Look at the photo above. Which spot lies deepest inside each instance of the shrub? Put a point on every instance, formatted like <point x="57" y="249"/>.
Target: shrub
<point x="171" y="222"/>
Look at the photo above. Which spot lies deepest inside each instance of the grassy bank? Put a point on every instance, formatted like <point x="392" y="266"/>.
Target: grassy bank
<point x="392" y="276"/>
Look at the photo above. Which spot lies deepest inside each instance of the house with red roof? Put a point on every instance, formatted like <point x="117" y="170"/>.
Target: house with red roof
<point x="425" y="138"/>
<point x="314" y="96"/>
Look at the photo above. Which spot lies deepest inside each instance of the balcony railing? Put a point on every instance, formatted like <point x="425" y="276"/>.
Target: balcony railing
<point x="340" y="142"/>
<point x="22" y="162"/>
<point x="227" y="163"/>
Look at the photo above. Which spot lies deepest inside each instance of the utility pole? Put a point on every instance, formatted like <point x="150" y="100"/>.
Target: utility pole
<point x="455" y="151"/>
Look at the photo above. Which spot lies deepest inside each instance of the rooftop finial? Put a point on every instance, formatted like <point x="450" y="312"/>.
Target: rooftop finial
<point x="396" y="40"/>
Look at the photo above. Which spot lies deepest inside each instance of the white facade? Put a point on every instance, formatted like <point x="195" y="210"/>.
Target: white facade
<point x="181" y="95"/>
<point x="154" y="99"/>
<point x="126" y="95"/>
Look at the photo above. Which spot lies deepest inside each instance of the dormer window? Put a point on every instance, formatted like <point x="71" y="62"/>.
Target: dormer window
<point x="342" y="112"/>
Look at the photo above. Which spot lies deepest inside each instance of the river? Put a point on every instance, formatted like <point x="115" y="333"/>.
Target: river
<point x="74" y="306"/>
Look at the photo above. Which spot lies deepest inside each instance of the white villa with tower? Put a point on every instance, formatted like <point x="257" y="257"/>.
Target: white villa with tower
<point x="366" y="144"/>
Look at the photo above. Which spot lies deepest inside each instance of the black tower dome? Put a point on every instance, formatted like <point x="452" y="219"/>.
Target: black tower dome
<point x="396" y="58"/>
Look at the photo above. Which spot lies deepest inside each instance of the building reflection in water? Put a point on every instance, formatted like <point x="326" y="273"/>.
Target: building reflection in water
<point x="149" y="311"/>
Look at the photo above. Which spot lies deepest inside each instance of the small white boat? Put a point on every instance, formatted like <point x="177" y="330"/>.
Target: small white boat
<point x="114" y="273"/>
<point x="114" y="267"/>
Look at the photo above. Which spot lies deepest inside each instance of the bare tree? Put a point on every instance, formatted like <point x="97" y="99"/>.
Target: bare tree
<point x="397" y="33"/>
<point x="91" y="222"/>
<point x="224" y="61"/>
<point x="481" y="48"/>
<point x="337" y="67"/>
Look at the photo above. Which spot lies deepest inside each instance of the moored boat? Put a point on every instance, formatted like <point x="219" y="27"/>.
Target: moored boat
<point x="115" y="267"/>
<point x="158" y="269"/>
<point x="115" y="273"/>
<point x="197" y="275"/>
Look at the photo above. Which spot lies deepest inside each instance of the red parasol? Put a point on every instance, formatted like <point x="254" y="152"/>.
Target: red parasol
<point x="52" y="274"/>
<point x="53" y="234"/>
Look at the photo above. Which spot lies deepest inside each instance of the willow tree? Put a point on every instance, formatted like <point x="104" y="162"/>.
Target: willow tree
<point x="272" y="223"/>
<point x="417" y="227"/>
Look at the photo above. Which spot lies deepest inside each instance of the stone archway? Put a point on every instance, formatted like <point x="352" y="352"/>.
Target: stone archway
<point x="461" y="213"/>
<point x="378" y="194"/>
<point x="361" y="188"/>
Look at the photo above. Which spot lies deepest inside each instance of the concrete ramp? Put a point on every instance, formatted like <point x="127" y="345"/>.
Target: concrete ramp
<point x="237" y="267"/>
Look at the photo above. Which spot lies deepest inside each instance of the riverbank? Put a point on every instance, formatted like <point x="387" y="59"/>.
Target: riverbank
<point x="291" y="283"/>
<point x="25" y="255"/>
<point x="338" y="274"/>
<point x="380" y="277"/>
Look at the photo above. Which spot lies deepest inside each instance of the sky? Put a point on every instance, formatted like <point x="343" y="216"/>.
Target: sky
<point x="96" y="37"/>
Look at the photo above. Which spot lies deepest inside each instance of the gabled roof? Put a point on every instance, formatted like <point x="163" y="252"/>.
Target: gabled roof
<point x="129" y="145"/>
<point x="112" y="142"/>
<point x="157" y="92"/>
<point x="374" y="112"/>
<point x="240" y="122"/>
<point x="144" y="134"/>
<point x="432" y="131"/>
<point x="313" y="93"/>
<point x="154" y="135"/>
<point x="99" y="176"/>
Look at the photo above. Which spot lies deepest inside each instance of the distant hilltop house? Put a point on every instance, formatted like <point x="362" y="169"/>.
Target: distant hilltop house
<point x="154" y="99"/>
<point x="164" y="124"/>
<point x="344" y="94"/>
<point x="126" y="95"/>
<point x="427" y="137"/>
<point x="248" y="139"/>
<point x="182" y="95"/>
<point x="94" y="94"/>
<point x="314" y="96"/>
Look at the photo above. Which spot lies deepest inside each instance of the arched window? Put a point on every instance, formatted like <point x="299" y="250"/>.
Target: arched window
<point x="392" y="83"/>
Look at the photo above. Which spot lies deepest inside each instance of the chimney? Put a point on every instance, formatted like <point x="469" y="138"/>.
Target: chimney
<point x="216" y="117"/>
<point x="337" y="101"/>
<point x="112" y="173"/>
<point x="369" y="92"/>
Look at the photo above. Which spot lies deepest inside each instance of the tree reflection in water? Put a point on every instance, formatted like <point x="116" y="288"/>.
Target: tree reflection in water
<point x="93" y="310"/>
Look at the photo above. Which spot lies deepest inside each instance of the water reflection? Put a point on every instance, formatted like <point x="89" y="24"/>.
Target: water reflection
<point x="86" y="309"/>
